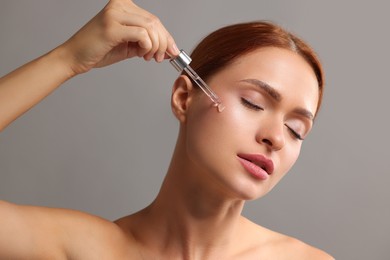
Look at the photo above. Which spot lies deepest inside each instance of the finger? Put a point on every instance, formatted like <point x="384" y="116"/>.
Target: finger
<point x="172" y="48"/>
<point x="162" y="48"/>
<point x="136" y="37"/>
<point x="154" y="28"/>
<point x="162" y="41"/>
<point x="150" y="23"/>
<point x="139" y="24"/>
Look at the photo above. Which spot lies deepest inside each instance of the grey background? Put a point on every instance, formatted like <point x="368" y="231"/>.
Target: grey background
<point x="103" y="141"/>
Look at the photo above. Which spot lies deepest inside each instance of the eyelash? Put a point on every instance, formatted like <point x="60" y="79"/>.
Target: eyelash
<point x="295" y="134"/>
<point x="250" y="105"/>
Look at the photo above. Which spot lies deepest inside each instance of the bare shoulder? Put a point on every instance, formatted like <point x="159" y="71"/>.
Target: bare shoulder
<point x="296" y="249"/>
<point x="62" y="233"/>
<point x="88" y="236"/>
<point x="273" y="245"/>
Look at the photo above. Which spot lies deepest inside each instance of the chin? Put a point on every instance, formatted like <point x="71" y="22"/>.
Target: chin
<point x="250" y="191"/>
<point x="255" y="196"/>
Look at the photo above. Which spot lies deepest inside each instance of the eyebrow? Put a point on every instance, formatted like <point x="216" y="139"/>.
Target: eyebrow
<point x="274" y="94"/>
<point x="305" y="113"/>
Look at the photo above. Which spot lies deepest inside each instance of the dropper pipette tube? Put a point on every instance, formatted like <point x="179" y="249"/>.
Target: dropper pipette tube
<point x="182" y="62"/>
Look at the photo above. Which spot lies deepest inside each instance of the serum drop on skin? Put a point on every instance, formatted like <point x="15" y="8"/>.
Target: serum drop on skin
<point x="182" y="62"/>
<point x="220" y="107"/>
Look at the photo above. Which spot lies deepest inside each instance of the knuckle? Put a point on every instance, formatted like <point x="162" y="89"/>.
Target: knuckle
<point x="170" y="39"/>
<point x="143" y="38"/>
<point x="152" y="21"/>
<point x="143" y="34"/>
<point x="115" y="3"/>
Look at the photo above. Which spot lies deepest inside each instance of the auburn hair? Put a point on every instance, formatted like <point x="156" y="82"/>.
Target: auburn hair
<point x="223" y="46"/>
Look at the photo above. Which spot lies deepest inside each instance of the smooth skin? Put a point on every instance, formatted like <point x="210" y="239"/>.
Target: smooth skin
<point x="197" y="213"/>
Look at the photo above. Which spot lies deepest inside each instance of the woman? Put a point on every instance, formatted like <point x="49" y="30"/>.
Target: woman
<point x="271" y="85"/>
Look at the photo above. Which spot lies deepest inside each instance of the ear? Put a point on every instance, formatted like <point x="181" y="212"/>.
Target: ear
<point x="182" y="94"/>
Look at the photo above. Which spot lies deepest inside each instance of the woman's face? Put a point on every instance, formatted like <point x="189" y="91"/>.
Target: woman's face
<point x="270" y="95"/>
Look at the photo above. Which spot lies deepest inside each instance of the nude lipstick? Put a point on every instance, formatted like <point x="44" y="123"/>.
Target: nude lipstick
<point x="257" y="165"/>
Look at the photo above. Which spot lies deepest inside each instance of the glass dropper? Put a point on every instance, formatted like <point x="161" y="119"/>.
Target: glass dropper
<point x="182" y="62"/>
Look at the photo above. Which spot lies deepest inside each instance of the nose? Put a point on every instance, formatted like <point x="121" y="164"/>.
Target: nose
<point x="271" y="133"/>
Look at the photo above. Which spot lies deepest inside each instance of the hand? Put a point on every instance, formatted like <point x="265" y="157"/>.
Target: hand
<point x="121" y="30"/>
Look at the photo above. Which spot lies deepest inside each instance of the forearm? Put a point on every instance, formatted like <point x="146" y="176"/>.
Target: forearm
<point x="120" y="31"/>
<point x="21" y="89"/>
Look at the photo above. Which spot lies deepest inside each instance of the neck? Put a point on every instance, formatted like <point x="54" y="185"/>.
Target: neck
<point x="189" y="214"/>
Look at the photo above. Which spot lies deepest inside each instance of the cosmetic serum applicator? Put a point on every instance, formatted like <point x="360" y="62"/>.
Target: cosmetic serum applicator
<point x="182" y="62"/>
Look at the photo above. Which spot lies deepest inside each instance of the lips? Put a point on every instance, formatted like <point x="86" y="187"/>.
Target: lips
<point x="257" y="164"/>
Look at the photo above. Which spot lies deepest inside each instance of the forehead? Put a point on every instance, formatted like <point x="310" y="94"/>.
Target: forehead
<point x="284" y="70"/>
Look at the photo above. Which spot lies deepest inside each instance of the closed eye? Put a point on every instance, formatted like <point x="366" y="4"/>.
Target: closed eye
<point x="294" y="133"/>
<point x="250" y="105"/>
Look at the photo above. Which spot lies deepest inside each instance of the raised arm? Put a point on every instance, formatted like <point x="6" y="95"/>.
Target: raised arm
<point x="121" y="30"/>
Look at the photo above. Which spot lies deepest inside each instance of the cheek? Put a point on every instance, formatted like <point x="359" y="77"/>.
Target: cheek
<point x="288" y="158"/>
<point x="231" y="122"/>
<point x="213" y="135"/>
